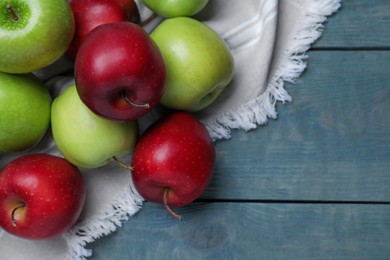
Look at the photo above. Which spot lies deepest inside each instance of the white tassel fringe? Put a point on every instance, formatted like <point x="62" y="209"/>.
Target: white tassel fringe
<point x="119" y="210"/>
<point x="246" y="117"/>
<point x="256" y="112"/>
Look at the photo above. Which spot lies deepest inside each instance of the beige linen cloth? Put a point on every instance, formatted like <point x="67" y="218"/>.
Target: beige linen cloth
<point x="268" y="39"/>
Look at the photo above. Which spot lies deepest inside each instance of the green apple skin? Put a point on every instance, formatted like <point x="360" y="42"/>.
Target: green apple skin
<point x="199" y="63"/>
<point x="86" y="139"/>
<point x="41" y="34"/>
<point x="176" y="8"/>
<point x="24" y="112"/>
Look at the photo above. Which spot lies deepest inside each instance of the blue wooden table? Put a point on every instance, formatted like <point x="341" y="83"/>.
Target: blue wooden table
<point x="313" y="184"/>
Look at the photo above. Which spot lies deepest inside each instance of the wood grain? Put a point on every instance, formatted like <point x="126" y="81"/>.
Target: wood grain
<point x="359" y="24"/>
<point x="253" y="231"/>
<point x="313" y="184"/>
<point x="331" y="143"/>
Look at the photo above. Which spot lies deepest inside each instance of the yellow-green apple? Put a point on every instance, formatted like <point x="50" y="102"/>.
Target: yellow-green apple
<point x="173" y="161"/>
<point x="119" y="71"/>
<point x="86" y="139"/>
<point x="24" y="112"/>
<point x="89" y="14"/>
<point x="199" y="63"/>
<point x="41" y="196"/>
<point x="33" y="34"/>
<point x="175" y="8"/>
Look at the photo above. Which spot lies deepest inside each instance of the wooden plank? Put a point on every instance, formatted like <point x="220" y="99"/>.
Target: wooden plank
<point x="252" y="231"/>
<point x="358" y="24"/>
<point x="331" y="143"/>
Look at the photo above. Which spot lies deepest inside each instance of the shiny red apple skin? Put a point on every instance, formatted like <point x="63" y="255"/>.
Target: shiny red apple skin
<point x="89" y="14"/>
<point x="52" y="190"/>
<point x="177" y="153"/>
<point x="120" y="58"/>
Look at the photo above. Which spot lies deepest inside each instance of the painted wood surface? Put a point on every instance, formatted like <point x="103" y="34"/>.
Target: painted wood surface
<point x="360" y="24"/>
<point x="313" y="184"/>
<point x="253" y="231"/>
<point x="331" y="143"/>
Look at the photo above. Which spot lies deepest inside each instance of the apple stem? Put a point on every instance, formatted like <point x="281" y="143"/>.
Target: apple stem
<point x="148" y="20"/>
<point x="177" y="216"/>
<point x="122" y="164"/>
<point x="21" y="205"/>
<point x="15" y="17"/>
<point x="128" y="101"/>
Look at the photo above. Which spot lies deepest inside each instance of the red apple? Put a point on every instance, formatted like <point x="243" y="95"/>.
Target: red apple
<point x="41" y="196"/>
<point x="89" y="14"/>
<point x="120" y="72"/>
<point x="173" y="161"/>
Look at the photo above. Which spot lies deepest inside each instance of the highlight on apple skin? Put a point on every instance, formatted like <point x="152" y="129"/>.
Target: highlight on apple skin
<point x="89" y="14"/>
<point x="176" y="8"/>
<point x="86" y="139"/>
<point x="34" y="34"/>
<point x="120" y="73"/>
<point x="199" y="63"/>
<point x="173" y="161"/>
<point x="41" y="196"/>
<point x="25" y="105"/>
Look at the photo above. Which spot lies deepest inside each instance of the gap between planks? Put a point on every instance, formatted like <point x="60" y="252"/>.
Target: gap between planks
<point x="270" y="201"/>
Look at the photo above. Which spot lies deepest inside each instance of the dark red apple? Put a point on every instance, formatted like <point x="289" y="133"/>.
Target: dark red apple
<point x="120" y="72"/>
<point x="173" y="161"/>
<point x="89" y="14"/>
<point x="41" y="196"/>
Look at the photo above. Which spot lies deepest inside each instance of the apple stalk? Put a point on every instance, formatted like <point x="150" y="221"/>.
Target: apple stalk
<point x="148" y="20"/>
<point x="21" y="205"/>
<point x="122" y="164"/>
<point x="166" y="190"/>
<point x="174" y="214"/>
<point x="14" y="16"/>
<point x="128" y="101"/>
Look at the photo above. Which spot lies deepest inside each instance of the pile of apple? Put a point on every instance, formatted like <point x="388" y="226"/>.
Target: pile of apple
<point x="121" y="74"/>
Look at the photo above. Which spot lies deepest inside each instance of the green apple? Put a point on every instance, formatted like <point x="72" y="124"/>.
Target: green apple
<point x="33" y="33"/>
<point x="175" y="8"/>
<point x="86" y="139"/>
<point x="24" y="112"/>
<point x="199" y="63"/>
